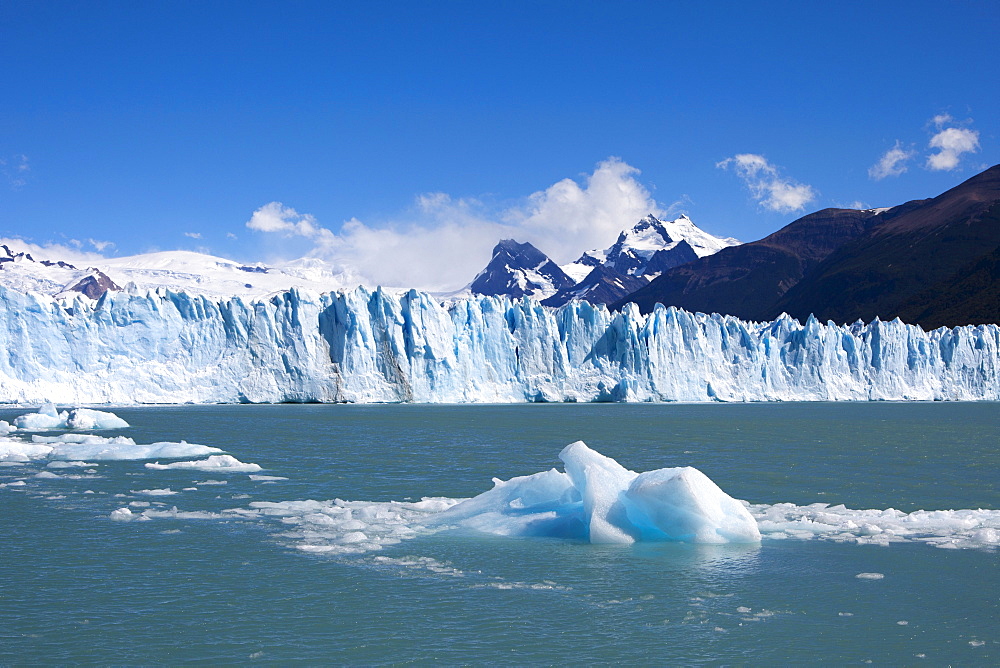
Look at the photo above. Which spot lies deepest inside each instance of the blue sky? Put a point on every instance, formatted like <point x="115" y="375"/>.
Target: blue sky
<point x="434" y="127"/>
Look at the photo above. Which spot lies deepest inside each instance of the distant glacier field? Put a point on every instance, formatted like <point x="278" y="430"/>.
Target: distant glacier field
<point x="363" y="346"/>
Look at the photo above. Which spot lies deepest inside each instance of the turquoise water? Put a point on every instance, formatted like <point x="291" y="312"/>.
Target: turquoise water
<point x="76" y="586"/>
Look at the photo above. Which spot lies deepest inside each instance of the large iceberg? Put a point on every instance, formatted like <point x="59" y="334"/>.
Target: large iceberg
<point x="600" y="501"/>
<point x="375" y="346"/>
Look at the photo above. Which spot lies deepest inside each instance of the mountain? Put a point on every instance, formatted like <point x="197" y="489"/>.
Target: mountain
<point x="930" y="262"/>
<point x="598" y="276"/>
<point x="602" y="285"/>
<point x="651" y="246"/>
<point x="518" y="270"/>
<point x="746" y="280"/>
<point x="95" y="285"/>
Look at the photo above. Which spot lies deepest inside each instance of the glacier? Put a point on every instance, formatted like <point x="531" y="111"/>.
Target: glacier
<point x="364" y="345"/>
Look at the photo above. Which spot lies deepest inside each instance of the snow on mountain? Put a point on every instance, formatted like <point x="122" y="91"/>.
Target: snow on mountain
<point x="186" y="271"/>
<point x="651" y="246"/>
<point x="163" y="346"/>
<point x="640" y="254"/>
<point x="519" y="270"/>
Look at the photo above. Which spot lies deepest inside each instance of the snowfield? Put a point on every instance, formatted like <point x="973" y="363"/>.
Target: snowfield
<point x="161" y="346"/>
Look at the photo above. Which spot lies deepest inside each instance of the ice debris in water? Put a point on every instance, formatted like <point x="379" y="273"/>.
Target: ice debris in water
<point x="79" y="447"/>
<point x="215" y="463"/>
<point x="83" y="419"/>
<point x="599" y="500"/>
<point x="948" y="529"/>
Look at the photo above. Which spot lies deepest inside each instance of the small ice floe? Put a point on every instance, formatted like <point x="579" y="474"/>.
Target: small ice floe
<point x="122" y="515"/>
<point x="70" y="447"/>
<point x="19" y="452"/>
<point x="215" y="463"/>
<point x="869" y="576"/>
<point x="48" y="418"/>
<point x="68" y="465"/>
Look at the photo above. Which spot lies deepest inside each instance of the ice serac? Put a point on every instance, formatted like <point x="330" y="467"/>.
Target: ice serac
<point x="378" y="346"/>
<point x="600" y="501"/>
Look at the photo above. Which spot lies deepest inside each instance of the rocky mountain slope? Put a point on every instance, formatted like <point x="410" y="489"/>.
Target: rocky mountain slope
<point x="930" y="262"/>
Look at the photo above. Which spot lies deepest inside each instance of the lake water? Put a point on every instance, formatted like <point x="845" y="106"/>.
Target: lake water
<point x="238" y="575"/>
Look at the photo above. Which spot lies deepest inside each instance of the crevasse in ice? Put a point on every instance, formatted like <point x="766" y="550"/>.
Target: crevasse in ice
<point x="368" y="346"/>
<point x="599" y="500"/>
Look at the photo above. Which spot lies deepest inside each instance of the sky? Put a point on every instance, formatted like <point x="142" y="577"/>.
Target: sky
<point x="402" y="140"/>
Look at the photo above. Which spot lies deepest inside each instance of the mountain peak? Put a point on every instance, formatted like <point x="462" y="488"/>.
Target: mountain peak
<point x="518" y="270"/>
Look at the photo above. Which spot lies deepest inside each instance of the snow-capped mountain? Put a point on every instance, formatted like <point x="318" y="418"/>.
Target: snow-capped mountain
<point x="518" y="270"/>
<point x="650" y="247"/>
<point x="640" y="254"/>
<point x="195" y="273"/>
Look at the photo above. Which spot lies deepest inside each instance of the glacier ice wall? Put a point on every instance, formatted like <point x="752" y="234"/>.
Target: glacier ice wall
<point x="373" y="346"/>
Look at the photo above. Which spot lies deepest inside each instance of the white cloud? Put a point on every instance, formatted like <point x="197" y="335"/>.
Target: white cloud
<point x="892" y="163"/>
<point x="230" y="235"/>
<point x="56" y="251"/>
<point x="771" y="190"/>
<point x="443" y="241"/>
<point x="941" y="120"/>
<point x="951" y="143"/>
<point x="276" y="217"/>
<point x="100" y="246"/>
<point x="568" y="218"/>
<point x="193" y="235"/>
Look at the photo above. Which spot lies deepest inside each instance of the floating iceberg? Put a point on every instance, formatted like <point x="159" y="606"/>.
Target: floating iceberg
<point x="215" y="463"/>
<point x="599" y="500"/>
<point x="83" y="419"/>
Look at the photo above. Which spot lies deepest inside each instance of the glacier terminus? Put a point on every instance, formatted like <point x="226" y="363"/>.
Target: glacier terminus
<point x="363" y="345"/>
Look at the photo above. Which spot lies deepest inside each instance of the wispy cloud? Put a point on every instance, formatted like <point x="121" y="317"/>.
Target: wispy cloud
<point x="101" y="246"/>
<point x="193" y="235"/>
<point x="443" y="241"/>
<point x="15" y="170"/>
<point x="892" y="163"/>
<point x="771" y="190"/>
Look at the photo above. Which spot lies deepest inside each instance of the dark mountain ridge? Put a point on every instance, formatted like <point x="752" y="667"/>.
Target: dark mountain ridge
<point x="931" y="262"/>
